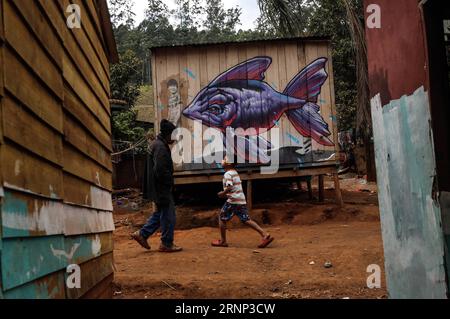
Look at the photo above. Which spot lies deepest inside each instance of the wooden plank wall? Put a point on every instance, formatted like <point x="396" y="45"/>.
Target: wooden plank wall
<point x="55" y="150"/>
<point x="197" y="66"/>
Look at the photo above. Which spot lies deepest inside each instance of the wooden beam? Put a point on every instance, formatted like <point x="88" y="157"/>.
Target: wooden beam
<point x="201" y="177"/>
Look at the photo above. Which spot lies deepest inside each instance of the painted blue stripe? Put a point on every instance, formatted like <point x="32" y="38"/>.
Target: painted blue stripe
<point x="293" y="138"/>
<point x="190" y="73"/>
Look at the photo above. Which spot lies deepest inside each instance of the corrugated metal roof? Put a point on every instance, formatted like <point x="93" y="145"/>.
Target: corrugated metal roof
<point x="309" y="38"/>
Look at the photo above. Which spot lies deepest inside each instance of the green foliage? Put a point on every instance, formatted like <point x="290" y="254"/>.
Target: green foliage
<point x="330" y="18"/>
<point x="125" y="78"/>
<point x="121" y="12"/>
<point x="125" y="128"/>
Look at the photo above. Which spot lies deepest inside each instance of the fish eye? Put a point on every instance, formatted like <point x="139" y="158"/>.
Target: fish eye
<point x="215" y="109"/>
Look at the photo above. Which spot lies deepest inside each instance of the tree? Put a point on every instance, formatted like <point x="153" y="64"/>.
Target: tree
<point x="188" y="14"/>
<point x="124" y="78"/>
<point x="156" y="28"/>
<point x="121" y="12"/>
<point x="220" y="23"/>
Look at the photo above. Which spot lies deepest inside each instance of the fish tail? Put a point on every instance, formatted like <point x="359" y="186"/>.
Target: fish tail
<point x="309" y="123"/>
<point x="307" y="86"/>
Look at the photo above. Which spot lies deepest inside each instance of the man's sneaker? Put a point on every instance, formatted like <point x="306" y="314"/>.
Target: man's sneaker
<point x="141" y="240"/>
<point x="172" y="249"/>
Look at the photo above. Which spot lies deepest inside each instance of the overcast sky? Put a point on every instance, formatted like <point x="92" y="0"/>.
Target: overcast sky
<point x="250" y="10"/>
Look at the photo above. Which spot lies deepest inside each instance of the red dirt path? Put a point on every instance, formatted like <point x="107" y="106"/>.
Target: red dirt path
<point x="305" y="232"/>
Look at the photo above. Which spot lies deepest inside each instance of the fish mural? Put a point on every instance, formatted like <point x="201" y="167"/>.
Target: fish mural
<point x="240" y="98"/>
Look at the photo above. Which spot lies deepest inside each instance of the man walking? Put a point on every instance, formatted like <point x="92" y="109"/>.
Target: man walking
<point x="158" y="187"/>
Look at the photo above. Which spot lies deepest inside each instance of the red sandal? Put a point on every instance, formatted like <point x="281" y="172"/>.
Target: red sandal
<point x="266" y="242"/>
<point x="219" y="243"/>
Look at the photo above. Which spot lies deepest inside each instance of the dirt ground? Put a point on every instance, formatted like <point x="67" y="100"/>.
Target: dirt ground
<point x="308" y="235"/>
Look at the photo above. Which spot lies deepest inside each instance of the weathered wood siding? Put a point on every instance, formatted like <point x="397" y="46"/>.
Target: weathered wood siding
<point x="55" y="150"/>
<point x="194" y="67"/>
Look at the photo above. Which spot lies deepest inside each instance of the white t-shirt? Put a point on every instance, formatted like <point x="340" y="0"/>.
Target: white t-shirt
<point x="236" y="195"/>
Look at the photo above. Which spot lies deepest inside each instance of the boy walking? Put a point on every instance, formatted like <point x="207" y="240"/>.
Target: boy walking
<point x="236" y="205"/>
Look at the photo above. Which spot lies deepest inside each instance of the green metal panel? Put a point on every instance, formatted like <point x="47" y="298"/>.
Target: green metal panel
<point x="410" y="213"/>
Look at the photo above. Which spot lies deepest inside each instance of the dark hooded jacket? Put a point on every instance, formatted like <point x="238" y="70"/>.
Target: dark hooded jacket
<point x="158" y="174"/>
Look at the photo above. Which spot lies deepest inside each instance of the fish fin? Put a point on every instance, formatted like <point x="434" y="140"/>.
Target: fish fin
<point x="307" y="85"/>
<point x="253" y="69"/>
<point x="308" y="122"/>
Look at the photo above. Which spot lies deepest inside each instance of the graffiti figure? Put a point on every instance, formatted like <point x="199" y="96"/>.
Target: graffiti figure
<point x="240" y="98"/>
<point x="175" y="103"/>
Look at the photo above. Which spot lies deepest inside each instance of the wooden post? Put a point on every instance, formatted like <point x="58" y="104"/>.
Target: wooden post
<point x="310" y="191"/>
<point x="299" y="184"/>
<point x="337" y="188"/>
<point x="321" y="189"/>
<point x="249" y="195"/>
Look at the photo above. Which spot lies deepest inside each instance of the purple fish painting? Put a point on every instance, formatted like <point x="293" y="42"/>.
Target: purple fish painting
<point x="240" y="98"/>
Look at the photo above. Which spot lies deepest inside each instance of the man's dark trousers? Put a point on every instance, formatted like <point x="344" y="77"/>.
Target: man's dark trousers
<point x="165" y="218"/>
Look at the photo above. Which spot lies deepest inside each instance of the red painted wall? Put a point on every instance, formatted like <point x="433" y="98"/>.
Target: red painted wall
<point x="396" y="51"/>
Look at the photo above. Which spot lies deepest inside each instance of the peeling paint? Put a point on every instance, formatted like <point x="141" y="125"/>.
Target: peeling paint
<point x="97" y="179"/>
<point x="62" y="253"/>
<point x="17" y="167"/>
<point x="27" y="191"/>
<point x="101" y="199"/>
<point x="96" y="246"/>
<point x="410" y="218"/>
<point x="80" y="220"/>
<point x="24" y="217"/>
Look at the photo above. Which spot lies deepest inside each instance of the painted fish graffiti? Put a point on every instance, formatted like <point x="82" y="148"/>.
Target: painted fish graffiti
<point x="240" y="98"/>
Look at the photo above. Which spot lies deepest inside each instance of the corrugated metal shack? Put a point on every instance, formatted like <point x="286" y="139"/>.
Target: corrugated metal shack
<point x="55" y="149"/>
<point x="409" y="69"/>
